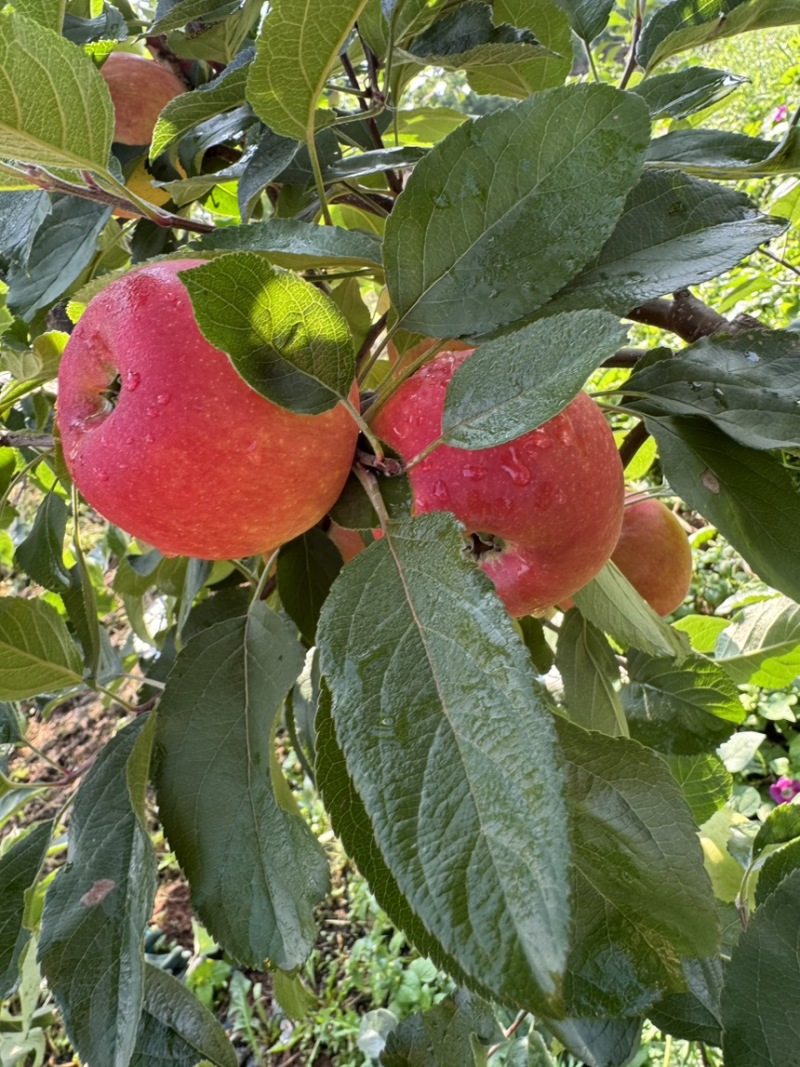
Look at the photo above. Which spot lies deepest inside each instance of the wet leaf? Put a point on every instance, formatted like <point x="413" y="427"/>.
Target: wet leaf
<point x="551" y="28"/>
<point x="589" y="671"/>
<point x="297" y="245"/>
<point x="684" y="92"/>
<point x="19" y="869"/>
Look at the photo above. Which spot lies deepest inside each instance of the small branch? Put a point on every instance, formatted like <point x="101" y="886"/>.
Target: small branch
<point x="638" y="22"/>
<point x="509" y="1033"/>
<point x="634" y="440"/>
<point x="625" y="357"/>
<point x="372" y="334"/>
<point x="686" y="316"/>
<point x="20" y="439"/>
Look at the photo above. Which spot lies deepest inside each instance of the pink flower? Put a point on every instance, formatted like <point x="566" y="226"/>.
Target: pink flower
<point x="784" y="790"/>
<point x="781" y="114"/>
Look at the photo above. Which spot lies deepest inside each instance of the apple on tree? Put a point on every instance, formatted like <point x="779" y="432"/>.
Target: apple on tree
<point x="140" y="89"/>
<point x="545" y="509"/>
<point x="164" y="438"/>
<point x="653" y="553"/>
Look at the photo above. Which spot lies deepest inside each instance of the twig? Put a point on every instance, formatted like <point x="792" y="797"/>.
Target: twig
<point x="638" y="22"/>
<point x="632" y="443"/>
<point x="687" y="317"/>
<point x="21" y="439"/>
<point x="520" y="1019"/>
<point x="372" y="334"/>
<point x="625" y="357"/>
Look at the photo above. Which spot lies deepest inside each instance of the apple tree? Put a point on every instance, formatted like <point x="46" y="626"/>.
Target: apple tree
<point x="537" y="802"/>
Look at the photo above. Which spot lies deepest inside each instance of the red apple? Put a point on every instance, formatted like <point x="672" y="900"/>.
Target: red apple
<point x="164" y="438"/>
<point x="140" y="89"/>
<point x="653" y="553"/>
<point x="550" y="501"/>
<point x="350" y="542"/>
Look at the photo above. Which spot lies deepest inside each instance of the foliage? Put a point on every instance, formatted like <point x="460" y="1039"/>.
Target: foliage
<point x="546" y="809"/>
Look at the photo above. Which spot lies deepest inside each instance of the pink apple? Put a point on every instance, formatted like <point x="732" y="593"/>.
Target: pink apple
<point x="549" y="503"/>
<point x="653" y="553"/>
<point x="164" y="438"/>
<point x="140" y="89"/>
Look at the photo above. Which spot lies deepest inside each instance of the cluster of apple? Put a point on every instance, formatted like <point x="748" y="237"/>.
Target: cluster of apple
<point x="167" y="441"/>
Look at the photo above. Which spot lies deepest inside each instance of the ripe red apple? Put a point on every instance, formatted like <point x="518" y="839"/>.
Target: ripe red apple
<point x="164" y="439"/>
<point x="653" y="553"/>
<point x="140" y="89"/>
<point x="550" y="501"/>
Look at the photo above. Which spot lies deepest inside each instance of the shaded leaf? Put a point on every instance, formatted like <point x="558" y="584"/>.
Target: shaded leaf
<point x="286" y="339"/>
<point x="468" y="37"/>
<point x="695" y="1014"/>
<point x="762" y="645"/>
<point x="598" y="1042"/>
<point x="684" y="92"/>
<point x="761" y="1025"/>
<point x="705" y="783"/>
<point x="271" y="156"/>
<point x="514" y="384"/>
<point x="41" y="554"/>
<point x="533" y="635"/>
<point x="37" y="654"/>
<point x="589" y="671"/>
<point x="776" y="867"/>
<point x="19" y="870"/>
<point x="455" y="1033"/>
<point x="720" y="155"/>
<point x="254" y="868"/>
<point x="588" y="17"/>
<point x="295" y="244"/>
<point x="551" y="28"/>
<point x="96" y="910"/>
<point x="461" y="262"/>
<point x="413" y="636"/>
<point x="375" y="162"/>
<point x="734" y="487"/>
<point x="307" y="567"/>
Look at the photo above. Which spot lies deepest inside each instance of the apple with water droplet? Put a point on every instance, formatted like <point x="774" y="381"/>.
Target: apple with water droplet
<point x="545" y="509"/>
<point x="654" y="554"/>
<point x="164" y="438"/>
<point x="140" y="89"/>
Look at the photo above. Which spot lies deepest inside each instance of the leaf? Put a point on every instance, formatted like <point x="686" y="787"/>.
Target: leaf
<point x="460" y="261"/>
<point x="37" y="654"/>
<point x="375" y="162"/>
<point x="298" y="46"/>
<point x="297" y="245"/>
<point x="705" y="783"/>
<point x="96" y="910"/>
<point x="695" y="1014"/>
<point x="720" y="155"/>
<point x="686" y="24"/>
<point x="776" y="867"/>
<point x="467" y="37"/>
<point x="254" y="868"/>
<point x="674" y="231"/>
<point x="598" y="1042"/>
<point x="41" y="554"/>
<point x="702" y="631"/>
<point x="589" y="672"/>
<point x="270" y="158"/>
<point x="680" y="710"/>
<point x="49" y="13"/>
<point x="641" y="896"/>
<point x="176" y="1030"/>
<point x="761" y="1026"/>
<point x="724" y="871"/>
<point x="19" y="870"/>
<point x="414" y="638"/>
<point x="425" y="126"/>
<point x="307" y="567"/>
<point x="226" y="91"/>
<point x="456" y="1032"/>
<point x="588" y="17"/>
<point x="519" y="381"/>
<point x="762" y="645"/>
<point x="780" y="827"/>
<point x="734" y="488"/>
<point x="684" y="92"/>
<point x="285" y="338"/>
<point x="613" y="605"/>
<point x="551" y="28"/>
<point x="55" y="108"/>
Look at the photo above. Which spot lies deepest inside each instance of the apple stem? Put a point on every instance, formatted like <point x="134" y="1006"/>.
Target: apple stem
<point x="370" y="486"/>
<point x="363" y="426"/>
<point x="634" y="440"/>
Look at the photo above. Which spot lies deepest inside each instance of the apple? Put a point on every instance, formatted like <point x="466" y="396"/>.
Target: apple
<point x="140" y="89"/>
<point x="653" y="553"/>
<point x="163" y="437"/>
<point x="546" y="508"/>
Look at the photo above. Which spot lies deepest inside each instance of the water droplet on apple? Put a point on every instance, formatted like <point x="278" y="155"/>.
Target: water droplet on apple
<point x="538" y="439"/>
<point x="516" y="469"/>
<point x="151" y="411"/>
<point x="148" y="437"/>
<point x="474" y="473"/>
<point x="132" y="379"/>
<point x="102" y="476"/>
<point x="130" y="440"/>
<point x="163" y="399"/>
<point x="440" y="491"/>
<point x="561" y="496"/>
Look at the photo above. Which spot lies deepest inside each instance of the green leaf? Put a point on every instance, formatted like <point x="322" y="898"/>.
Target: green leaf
<point x="642" y="899"/>
<point x="588" y="17"/>
<point x="285" y="338"/>
<point x="270" y="157"/>
<point x="517" y="382"/>
<point x="532" y="633"/>
<point x="176" y="1030"/>
<point x="41" y="554"/>
<point x="376" y="162"/>
<point x="19" y="870"/>
<point x="776" y="867"/>
<point x="734" y="487"/>
<point x="55" y="108"/>
<point x="761" y="1025"/>
<point x="705" y="783"/>
<point x="721" y="155"/>
<point x="297" y="48"/>
<point x="49" y="13"/>
<point x="780" y="827"/>
<point x="63" y="247"/>
<point x="462" y="262"/>
<point x="455" y="1033"/>
<point x="762" y="645"/>
<point x="426" y="126"/>
<point x="37" y="654"/>
<point x="702" y="631"/>
<point x="297" y="245"/>
<point x="589" y="671"/>
<point x="96" y="910"/>
<point x="173" y="15"/>
<point x="551" y="28"/>
<point x="686" y="24"/>
<point x="674" y="231"/>
<point x="695" y="1014"/>
<point x="307" y="567"/>
<point x="254" y="868"/>
<point x="748" y="386"/>
<point x="226" y="91"/>
<point x="684" y="92"/>
<point x="680" y="710"/>
<point x="598" y="1042"/>
<point x="613" y="605"/>
<point x="467" y="37"/>
<point x="352" y="824"/>
<point x="448" y="789"/>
